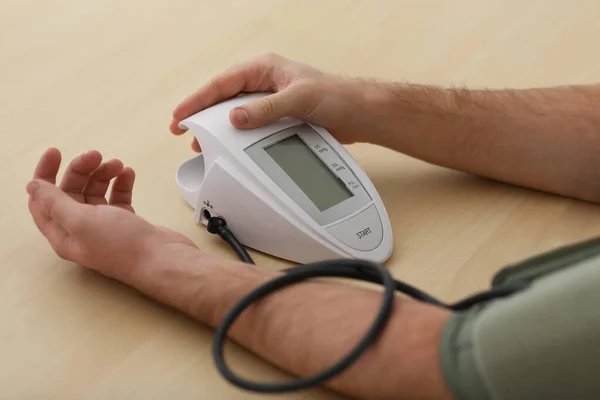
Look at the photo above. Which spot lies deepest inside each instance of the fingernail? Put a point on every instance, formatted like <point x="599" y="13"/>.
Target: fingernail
<point x="240" y="115"/>
<point x="32" y="187"/>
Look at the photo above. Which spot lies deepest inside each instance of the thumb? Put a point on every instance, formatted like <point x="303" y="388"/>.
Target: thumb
<point x="50" y="202"/>
<point x="289" y="102"/>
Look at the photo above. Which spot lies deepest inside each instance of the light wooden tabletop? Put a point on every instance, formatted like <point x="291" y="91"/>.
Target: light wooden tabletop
<point x="106" y="75"/>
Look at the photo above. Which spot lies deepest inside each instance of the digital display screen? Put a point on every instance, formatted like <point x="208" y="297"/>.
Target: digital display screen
<point x="307" y="170"/>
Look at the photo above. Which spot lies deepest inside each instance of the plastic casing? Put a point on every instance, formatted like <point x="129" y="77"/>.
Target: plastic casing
<point x="225" y="181"/>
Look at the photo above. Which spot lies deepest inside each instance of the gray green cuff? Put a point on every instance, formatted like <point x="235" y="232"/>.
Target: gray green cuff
<point x="543" y="343"/>
<point x="458" y="358"/>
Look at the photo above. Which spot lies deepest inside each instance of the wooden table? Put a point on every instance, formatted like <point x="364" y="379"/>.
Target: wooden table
<point x="106" y="75"/>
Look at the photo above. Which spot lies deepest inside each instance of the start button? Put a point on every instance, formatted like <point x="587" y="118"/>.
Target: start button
<point x="362" y="232"/>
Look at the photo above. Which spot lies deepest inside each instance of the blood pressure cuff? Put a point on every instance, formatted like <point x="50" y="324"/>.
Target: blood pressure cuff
<point x="541" y="343"/>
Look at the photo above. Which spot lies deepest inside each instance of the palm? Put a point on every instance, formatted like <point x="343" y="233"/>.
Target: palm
<point x="105" y="233"/>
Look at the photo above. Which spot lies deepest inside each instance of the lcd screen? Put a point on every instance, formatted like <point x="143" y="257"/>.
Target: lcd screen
<point x="307" y="171"/>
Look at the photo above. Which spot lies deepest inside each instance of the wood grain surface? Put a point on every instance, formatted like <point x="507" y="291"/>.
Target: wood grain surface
<point x="106" y="75"/>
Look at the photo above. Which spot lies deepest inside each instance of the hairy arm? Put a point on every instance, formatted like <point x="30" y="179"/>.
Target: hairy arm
<point x="544" y="139"/>
<point x="302" y="329"/>
<point x="307" y="327"/>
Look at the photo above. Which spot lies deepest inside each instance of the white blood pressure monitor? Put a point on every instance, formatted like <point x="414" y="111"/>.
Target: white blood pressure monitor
<point x="288" y="189"/>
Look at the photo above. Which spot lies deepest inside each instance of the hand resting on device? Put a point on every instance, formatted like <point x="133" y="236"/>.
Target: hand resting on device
<point x="301" y="91"/>
<point x="545" y="139"/>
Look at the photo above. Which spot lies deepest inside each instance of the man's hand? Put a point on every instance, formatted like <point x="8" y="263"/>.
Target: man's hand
<point x="85" y="227"/>
<point x="322" y="320"/>
<point x="545" y="139"/>
<point x="340" y="105"/>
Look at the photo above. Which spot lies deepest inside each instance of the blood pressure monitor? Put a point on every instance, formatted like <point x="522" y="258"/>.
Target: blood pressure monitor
<point x="288" y="189"/>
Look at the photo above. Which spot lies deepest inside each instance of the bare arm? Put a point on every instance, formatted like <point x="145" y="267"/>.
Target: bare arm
<point x="307" y="327"/>
<point x="545" y="139"/>
<point x="302" y="329"/>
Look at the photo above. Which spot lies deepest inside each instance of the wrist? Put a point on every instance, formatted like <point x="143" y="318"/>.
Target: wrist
<point x="377" y="107"/>
<point x="158" y="265"/>
<point x="194" y="282"/>
<point x="407" y="112"/>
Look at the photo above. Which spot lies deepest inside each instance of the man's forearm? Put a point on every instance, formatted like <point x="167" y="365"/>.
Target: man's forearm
<point x="306" y="328"/>
<point x="545" y="139"/>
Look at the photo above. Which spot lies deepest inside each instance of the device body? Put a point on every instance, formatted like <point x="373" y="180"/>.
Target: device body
<point x="288" y="189"/>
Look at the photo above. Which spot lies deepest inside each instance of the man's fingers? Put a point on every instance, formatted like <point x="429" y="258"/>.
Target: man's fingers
<point x="253" y="76"/>
<point x="196" y="146"/>
<point x="289" y="102"/>
<point x="174" y="127"/>
<point x="47" y="202"/>
<point x="48" y="165"/>
<point x="220" y="88"/>
<point x="99" y="180"/>
<point x="122" y="189"/>
<point x="46" y="169"/>
<point x="78" y="172"/>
